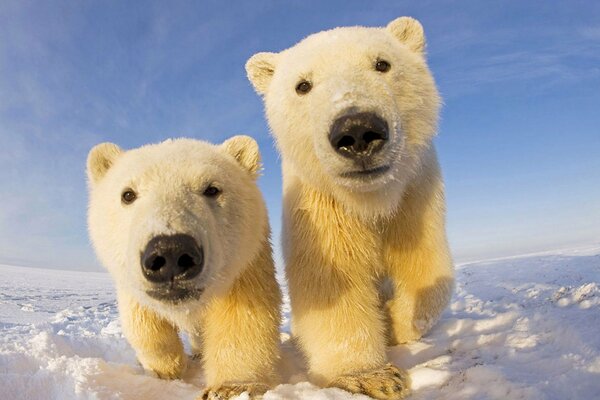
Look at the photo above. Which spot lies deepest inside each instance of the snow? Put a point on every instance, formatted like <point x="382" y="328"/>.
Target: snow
<point x="517" y="328"/>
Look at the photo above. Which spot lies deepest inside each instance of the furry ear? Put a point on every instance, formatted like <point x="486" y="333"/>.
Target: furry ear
<point x="260" y="69"/>
<point x="408" y="31"/>
<point x="245" y="150"/>
<point x="100" y="159"/>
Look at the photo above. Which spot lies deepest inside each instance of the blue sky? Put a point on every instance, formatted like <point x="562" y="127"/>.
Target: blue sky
<point x="519" y="139"/>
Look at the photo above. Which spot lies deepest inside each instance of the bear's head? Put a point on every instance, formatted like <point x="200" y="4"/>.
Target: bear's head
<point x="176" y="222"/>
<point x="352" y="109"/>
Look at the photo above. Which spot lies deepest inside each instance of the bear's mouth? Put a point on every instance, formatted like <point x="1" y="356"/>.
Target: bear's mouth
<point x="174" y="293"/>
<point x="366" y="172"/>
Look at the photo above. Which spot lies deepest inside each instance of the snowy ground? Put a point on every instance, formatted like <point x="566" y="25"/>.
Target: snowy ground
<point x="519" y="328"/>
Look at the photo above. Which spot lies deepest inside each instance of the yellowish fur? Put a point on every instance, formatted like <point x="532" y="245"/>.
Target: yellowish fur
<point x="240" y="331"/>
<point x="233" y="324"/>
<point x="343" y="238"/>
<point x="336" y="261"/>
<point x="236" y="334"/>
<point x="155" y="339"/>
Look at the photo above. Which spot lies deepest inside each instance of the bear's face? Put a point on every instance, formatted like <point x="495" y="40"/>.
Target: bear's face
<point x="178" y="220"/>
<point x="351" y="107"/>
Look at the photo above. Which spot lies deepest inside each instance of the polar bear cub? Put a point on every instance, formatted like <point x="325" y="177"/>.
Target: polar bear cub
<point x="182" y="228"/>
<point x="353" y="111"/>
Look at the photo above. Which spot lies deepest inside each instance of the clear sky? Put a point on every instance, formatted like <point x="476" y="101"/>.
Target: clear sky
<point x="519" y="140"/>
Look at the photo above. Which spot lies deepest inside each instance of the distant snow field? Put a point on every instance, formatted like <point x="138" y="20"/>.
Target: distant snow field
<point x="519" y="328"/>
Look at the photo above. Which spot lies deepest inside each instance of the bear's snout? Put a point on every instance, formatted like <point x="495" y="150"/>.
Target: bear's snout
<point x="172" y="258"/>
<point x="358" y="136"/>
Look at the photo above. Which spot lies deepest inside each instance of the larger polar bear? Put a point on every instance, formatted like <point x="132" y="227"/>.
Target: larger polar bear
<point x="182" y="228"/>
<point x="353" y="111"/>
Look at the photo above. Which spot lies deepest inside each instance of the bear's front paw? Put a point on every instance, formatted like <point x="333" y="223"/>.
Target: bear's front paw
<point x="386" y="383"/>
<point x="166" y="367"/>
<point x="254" y="390"/>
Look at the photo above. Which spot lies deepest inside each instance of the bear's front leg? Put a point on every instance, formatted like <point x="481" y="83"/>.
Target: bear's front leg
<point x="337" y="320"/>
<point x="418" y="259"/>
<point x="155" y="340"/>
<point x="240" y="334"/>
<point x="340" y="328"/>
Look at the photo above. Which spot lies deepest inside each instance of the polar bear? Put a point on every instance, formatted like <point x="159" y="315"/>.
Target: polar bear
<point x="182" y="228"/>
<point x="353" y="111"/>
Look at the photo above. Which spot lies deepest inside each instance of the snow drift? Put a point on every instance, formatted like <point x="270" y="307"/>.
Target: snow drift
<point x="518" y="328"/>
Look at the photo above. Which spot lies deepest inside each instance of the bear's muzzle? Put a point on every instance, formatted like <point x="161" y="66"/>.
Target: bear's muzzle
<point x="172" y="259"/>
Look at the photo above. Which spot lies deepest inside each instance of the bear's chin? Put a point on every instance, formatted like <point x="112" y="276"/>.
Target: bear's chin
<point x="174" y="294"/>
<point x="365" y="181"/>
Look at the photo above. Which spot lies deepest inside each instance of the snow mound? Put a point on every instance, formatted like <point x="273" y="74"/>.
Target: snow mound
<point x="518" y="328"/>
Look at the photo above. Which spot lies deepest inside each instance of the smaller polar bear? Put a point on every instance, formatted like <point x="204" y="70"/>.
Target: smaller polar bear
<point x="183" y="230"/>
<point x="354" y="111"/>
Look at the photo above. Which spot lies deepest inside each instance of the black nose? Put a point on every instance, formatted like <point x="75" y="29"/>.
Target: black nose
<point x="169" y="258"/>
<point x="358" y="135"/>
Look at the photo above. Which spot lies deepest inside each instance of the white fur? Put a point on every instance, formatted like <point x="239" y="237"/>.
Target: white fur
<point x="340" y="65"/>
<point x="239" y="291"/>
<point x="169" y="178"/>
<point x="343" y="234"/>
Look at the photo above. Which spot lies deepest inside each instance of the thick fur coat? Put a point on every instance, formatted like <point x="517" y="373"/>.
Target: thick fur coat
<point x="352" y="228"/>
<point x="231" y="308"/>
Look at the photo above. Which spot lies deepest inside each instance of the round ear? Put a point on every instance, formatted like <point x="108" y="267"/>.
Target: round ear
<point x="100" y="159"/>
<point x="260" y="69"/>
<point x="245" y="151"/>
<point x="408" y="31"/>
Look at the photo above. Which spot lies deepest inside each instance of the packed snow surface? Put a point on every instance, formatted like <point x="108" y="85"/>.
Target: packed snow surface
<point x="518" y="328"/>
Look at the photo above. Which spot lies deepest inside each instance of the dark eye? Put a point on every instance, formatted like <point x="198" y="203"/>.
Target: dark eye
<point x="128" y="196"/>
<point x="303" y="87"/>
<point x="211" y="191"/>
<point x="382" y="66"/>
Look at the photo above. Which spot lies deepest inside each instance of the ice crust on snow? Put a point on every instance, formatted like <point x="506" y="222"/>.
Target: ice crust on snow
<point x="518" y="328"/>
